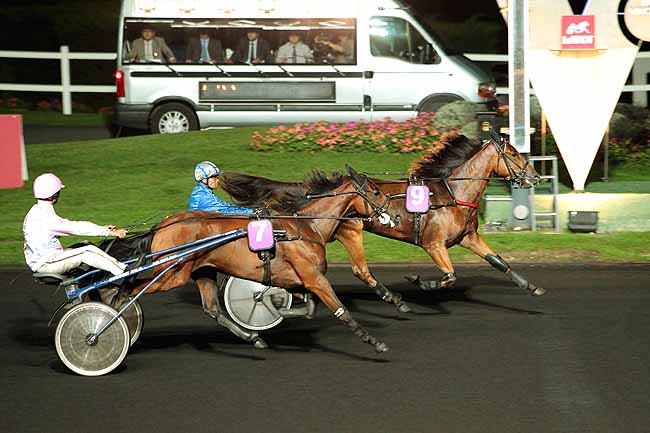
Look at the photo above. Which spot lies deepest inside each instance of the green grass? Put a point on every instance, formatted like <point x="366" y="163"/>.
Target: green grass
<point x="129" y="180"/>
<point x="55" y="118"/>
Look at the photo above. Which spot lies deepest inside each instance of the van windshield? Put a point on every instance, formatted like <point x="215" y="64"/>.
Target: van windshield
<point x="240" y="41"/>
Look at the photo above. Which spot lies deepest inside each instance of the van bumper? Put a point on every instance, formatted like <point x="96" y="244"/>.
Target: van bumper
<point x="132" y="115"/>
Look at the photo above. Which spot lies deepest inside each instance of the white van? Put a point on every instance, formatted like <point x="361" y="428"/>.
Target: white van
<point x="282" y="61"/>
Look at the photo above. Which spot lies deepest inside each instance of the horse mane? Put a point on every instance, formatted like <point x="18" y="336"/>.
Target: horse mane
<point x="257" y="191"/>
<point x="455" y="153"/>
<point x="253" y="191"/>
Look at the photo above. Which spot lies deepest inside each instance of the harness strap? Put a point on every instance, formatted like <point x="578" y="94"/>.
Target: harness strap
<point x="416" y="228"/>
<point x="266" y="279"/>
<point x="466" y="203"/>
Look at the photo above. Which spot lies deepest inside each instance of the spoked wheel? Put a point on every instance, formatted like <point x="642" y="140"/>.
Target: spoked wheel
<point x="134" y="318"/>
<point x="81" y="355"/>
<point x="250" y="306"/>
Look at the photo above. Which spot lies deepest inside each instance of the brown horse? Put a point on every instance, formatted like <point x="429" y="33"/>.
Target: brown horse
<point x="299" y="257"/>
<point x="456" y="176"/>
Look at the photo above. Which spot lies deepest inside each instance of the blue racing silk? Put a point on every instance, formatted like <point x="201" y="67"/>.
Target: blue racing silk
<point x="202" y="198"/>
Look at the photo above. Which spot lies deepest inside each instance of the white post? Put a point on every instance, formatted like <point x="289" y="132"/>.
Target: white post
<point x="640" y="71"/>
<point x="66" y="99"/>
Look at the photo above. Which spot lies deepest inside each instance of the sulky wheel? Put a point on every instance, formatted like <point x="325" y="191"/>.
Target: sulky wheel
<point x="252" y="308"/>
<point x="72" y="339"/>
<point x="134" y="318"/>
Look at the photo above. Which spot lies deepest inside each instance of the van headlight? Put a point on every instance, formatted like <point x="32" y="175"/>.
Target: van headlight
<point x="487" y="90"/>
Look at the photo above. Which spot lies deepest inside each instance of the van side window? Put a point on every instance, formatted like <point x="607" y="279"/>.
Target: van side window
<point x="395" y="37"/>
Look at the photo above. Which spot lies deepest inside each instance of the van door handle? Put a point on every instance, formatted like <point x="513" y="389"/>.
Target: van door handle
<point x="368" y="74"/>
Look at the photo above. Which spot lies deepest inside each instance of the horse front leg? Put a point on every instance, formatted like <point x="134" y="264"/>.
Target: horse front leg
<point x="317" y="283"/>
<point x="212" y="307"/>
<point x="478" y="246"/>
<point x="350" y="235"/>
<point x="437" y="250"/>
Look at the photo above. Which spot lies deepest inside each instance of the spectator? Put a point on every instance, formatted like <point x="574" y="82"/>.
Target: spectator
<point x="150" y="48"/>
<point x="343" y="48"/>
<point x="294" y="51"/>
<point x="205" y="49"/>
<point x="252" y="49"/>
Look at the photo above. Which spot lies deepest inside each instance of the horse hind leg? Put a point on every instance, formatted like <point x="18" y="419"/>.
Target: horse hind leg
<point x="211" y="306"/>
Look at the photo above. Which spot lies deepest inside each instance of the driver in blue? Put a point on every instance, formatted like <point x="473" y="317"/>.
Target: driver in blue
<point x="202" y="198"/>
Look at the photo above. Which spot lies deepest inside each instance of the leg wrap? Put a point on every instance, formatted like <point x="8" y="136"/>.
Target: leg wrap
<point x="344" y="316"/>
<point x="497" y="262"/>
<point x="447" y="280"/>
<point x="390" y="297"/>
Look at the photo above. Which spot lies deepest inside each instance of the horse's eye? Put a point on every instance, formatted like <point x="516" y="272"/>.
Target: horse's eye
<point x="376" y="193"/>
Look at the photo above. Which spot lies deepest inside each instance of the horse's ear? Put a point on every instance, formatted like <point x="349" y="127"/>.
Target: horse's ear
<point x="496" y="137"/>
<point x="358" y="178"/>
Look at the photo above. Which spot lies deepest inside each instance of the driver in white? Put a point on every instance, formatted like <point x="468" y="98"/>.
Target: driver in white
<point x="42" y="228"/>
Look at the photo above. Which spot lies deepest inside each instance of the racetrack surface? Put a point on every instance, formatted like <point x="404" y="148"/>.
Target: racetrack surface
<point x="485" y="357"/>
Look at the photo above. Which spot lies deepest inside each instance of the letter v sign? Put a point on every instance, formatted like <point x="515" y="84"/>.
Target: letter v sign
<point x="578" y="89"/>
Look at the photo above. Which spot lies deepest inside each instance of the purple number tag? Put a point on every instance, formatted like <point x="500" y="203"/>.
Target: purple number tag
<point x="417" y="199"/>
<point x="260" y="235"/>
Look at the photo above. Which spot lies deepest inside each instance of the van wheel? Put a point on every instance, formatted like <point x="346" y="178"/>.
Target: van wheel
<point x="173" y="118"/>
<point x="434" y="104"/>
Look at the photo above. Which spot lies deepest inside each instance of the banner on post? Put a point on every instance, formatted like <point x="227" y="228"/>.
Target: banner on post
<point x="13" y="164"/>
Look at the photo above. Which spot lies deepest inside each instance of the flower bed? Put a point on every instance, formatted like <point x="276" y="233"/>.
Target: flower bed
<point x="413" y="135"/>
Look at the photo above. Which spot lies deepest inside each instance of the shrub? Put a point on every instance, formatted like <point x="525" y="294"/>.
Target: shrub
<point x="413" y="135"/>
<point x="455" y="115"/>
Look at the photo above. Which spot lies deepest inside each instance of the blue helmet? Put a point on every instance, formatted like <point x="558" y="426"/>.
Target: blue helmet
<point x="205" y="170"/>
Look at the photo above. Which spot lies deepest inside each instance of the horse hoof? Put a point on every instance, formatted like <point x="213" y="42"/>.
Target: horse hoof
<point x="537" y="291"/>
<point x="258" y="343"/>
<point x="381" y="347"/>
<point x="403" y="308"/>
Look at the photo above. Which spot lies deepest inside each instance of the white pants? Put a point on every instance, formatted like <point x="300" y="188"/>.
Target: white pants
<point x="92" y="256"/>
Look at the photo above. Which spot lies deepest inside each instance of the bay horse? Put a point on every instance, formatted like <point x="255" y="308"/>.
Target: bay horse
<point x="299" y="258"/>
<point x="456" y="176"/>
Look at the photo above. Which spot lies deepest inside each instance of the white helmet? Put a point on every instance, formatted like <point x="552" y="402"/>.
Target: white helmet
<point x="205" y="170"/>
<point x="46" y="185"/>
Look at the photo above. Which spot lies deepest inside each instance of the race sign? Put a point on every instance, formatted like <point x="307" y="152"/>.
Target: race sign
<point x="260" y="235"/>
<point x="417" y="198"/>
<point x="578" y="32"/>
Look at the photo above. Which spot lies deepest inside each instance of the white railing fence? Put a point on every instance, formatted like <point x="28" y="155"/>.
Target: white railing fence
<point x="639" y="74"/>
<point x="66" y="88"/>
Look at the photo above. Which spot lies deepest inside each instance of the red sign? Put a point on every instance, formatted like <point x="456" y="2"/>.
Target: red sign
<point x="578" y="31"/>
<point x="13" y="167"/>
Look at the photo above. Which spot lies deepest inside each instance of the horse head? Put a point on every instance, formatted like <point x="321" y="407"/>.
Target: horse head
<point x="511" y="165"/>
<point x="369" y="196"/>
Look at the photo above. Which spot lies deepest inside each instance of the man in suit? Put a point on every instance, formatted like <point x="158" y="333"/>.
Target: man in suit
<point x="294" y="51"/>
<point x="150" y="48"/>
<point x="252" y="49"/>
<point x="205" y="49"/>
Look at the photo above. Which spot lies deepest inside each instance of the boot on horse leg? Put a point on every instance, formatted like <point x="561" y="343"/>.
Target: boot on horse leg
<point x="321" y="287"/>
<point x="211" y="306"/>
<point x="350" y="234"/>
<point x="440" y="257"/>
<point x="475" y="243"/>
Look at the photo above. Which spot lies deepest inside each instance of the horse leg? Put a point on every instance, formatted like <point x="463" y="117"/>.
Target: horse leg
<point x="440" y="255"/>
<point x="474" y="242"/>
<point x="211" y="306"/>
<point x="352" y="239"/>
<point x="316" y="283"/>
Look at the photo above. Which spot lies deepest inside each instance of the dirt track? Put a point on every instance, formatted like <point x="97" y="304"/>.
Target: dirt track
<point x="482" y="358"/>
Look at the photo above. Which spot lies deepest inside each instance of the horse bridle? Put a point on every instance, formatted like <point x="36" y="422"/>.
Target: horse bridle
<point x="360" y="184"/>
<point x="518" y="178"/>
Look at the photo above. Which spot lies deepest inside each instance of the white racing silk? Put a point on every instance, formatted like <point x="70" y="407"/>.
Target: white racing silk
<point x="42" y="228"/>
